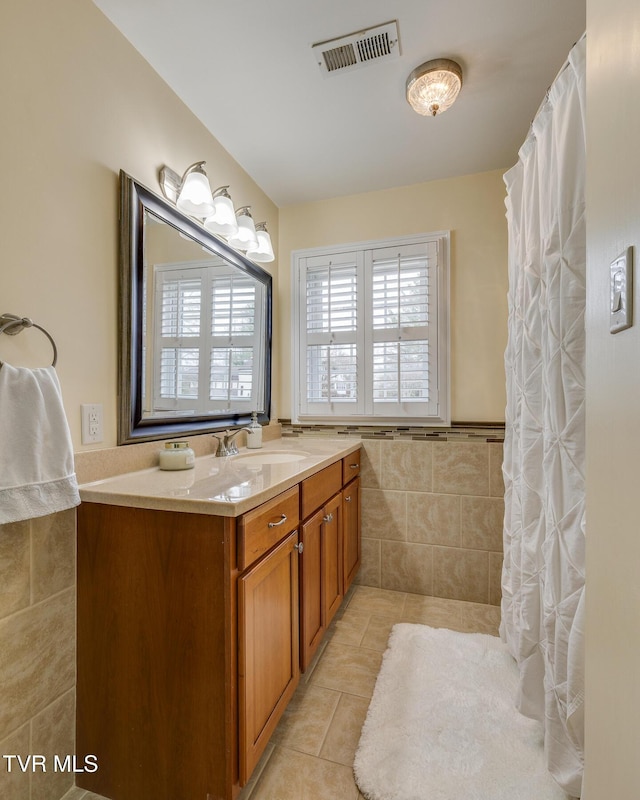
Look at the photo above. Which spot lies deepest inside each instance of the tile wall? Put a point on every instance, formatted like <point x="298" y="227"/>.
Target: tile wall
<point x="432" y="507"/>
<point x="37" y="653"/>
<point x="432" y="514"/>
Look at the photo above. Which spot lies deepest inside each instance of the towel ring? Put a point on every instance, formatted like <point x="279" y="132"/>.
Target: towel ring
<point x="11" y="324"/>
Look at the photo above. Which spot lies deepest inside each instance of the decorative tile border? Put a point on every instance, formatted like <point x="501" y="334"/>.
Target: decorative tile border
<point x="477" y="432"/>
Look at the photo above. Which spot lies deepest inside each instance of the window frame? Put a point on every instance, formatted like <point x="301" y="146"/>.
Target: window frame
<point x="361" y="253"/>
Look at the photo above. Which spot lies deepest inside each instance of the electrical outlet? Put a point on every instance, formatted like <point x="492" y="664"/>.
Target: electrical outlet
<point x="91" y="423"/>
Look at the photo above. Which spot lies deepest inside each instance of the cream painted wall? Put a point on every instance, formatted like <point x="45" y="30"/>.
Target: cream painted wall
<point x="472" y="207"/>
<point x="78" y="104"/>
<point x="613" y="406"/>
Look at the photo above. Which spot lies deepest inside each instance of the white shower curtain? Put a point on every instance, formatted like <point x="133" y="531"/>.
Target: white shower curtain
<point x="544" y="449"/>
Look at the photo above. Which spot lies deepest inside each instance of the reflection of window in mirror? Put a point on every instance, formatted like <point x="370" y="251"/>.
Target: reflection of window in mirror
<point x="201" y="353"/>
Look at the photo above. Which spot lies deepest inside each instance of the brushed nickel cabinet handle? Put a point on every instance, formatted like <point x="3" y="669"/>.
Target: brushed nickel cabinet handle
<point x="354" y="466"/>
<point x="282" y="521"/>
<point x="347" y="499"/>
<point x="299" y="547"/>
<point x="328" y="518"/>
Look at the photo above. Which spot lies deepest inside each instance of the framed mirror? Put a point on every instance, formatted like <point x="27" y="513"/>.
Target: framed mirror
<point x="194" y="322"/>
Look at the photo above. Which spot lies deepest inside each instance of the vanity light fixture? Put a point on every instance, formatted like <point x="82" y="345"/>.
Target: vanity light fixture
<point x="222" y="219"/>
<point x="195" y="197"/>
<point x="433" y="86"/>
<point x="246" y="237"/>
<point x="191" y="193"/>
<point x="264" y="251"/>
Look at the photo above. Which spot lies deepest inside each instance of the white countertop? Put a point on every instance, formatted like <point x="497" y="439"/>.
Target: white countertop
<point x="221" y="486"/>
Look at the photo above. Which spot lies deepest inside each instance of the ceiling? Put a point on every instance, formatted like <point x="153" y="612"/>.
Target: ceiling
<point x="246" y="70"/>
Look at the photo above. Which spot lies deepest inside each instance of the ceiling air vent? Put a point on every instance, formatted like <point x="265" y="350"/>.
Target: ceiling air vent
<point x="358" y="49"/>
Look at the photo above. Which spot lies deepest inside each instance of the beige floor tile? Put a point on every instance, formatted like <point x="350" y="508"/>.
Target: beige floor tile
<point x="377" y="634"/>
<point x="382" y="602"/>
<point x="343" y="736"/>
<point x="347" y="669"/>
<point x="351" y="627"/>
<point x="290" y="775"/>
<point x="437" y="612"/>
<point x="306" y="720"/>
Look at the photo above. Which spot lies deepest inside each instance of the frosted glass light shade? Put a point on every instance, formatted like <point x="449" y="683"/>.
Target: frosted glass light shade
<point x="222" y="219"/>
<point x="264" y="251"/>
<point x="245" y="238"/>
<point x="195" y="196"/>
<point x="433" y="86"/>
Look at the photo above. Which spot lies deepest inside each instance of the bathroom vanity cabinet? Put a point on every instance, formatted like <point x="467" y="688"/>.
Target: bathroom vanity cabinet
<point x="330" y="535"/>
<point x="193" y="629"/>
<point x="268" y="622"/>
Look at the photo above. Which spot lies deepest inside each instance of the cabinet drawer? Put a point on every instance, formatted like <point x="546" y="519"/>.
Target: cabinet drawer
<point x="260" y="529"/>
<point x="317" y="489"/>
<point x="350" y="467"/>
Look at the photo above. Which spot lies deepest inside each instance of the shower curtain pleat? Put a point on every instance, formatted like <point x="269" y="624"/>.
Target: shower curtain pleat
<point x="544" y="449"/>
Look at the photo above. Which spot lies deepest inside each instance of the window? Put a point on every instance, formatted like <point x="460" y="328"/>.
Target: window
<point x="206" y="317"/>
<point x="371" y="331"/>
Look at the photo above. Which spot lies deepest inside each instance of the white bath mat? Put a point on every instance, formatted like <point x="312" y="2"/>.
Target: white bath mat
<point x="442" y="723"/>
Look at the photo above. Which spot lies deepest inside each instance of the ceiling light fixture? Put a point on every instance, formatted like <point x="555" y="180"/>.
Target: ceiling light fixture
<point x="433" y="86"/>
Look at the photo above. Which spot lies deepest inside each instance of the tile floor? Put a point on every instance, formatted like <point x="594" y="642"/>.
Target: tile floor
<point x="310" y="755"/>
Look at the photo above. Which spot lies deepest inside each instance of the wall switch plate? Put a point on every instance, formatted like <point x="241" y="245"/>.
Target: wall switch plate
<point x="91" y="422"/>
<point x="621" y="292"/>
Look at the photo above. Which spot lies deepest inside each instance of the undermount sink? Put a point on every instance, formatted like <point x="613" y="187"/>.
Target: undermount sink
<point x="272" y="457"/>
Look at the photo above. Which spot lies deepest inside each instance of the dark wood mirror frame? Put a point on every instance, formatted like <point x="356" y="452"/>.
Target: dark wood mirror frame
<point x="135" y="200"/>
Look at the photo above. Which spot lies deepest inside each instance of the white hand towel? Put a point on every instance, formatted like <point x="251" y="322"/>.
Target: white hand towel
<point x="37" y="474"/>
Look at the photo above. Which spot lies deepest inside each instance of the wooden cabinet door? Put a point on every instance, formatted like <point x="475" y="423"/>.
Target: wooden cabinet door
<point x="332" y="559"/>
<point x="312" y="626"/>
<point x="321" y="576"/>
<point x="351" y="531"/>
<point x="268" y="652"/>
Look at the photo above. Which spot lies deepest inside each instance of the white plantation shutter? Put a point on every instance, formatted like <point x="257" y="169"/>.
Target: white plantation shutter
<point x="178" y="315"/>
<point x="404" y="322"/>
<point x="180" y="309"/>
<point x="328" y="357"/>
<point x="205" y="317"/>
<point x="233" y="325"/>
<point x="371" y="338"/>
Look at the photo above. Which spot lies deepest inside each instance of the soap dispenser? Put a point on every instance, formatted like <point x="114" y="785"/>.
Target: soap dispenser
<point x="254" y="433"/>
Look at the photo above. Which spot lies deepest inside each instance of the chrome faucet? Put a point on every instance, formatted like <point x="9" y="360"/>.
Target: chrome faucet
<point x="226" y="445"/>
